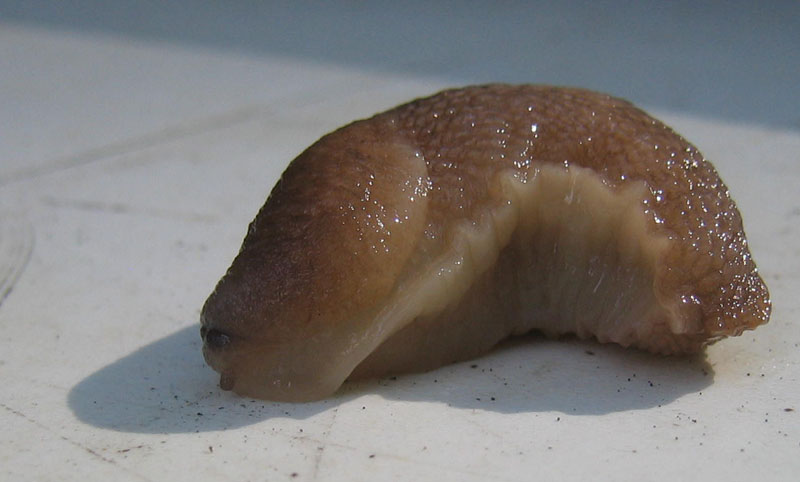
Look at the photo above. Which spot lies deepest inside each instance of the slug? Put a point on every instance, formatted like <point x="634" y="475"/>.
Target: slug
<point x="430" y="232"/>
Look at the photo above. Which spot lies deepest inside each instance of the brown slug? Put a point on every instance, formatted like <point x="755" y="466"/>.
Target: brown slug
<point x="428" y="233"/>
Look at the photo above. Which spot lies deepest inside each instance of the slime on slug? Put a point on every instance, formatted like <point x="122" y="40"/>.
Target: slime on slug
<point x="430" y="232"/>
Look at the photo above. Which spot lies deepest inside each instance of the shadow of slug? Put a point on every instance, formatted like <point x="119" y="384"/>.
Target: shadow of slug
<point x="166" y="387"/>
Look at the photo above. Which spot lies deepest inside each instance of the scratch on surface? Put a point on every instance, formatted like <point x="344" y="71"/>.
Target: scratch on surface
<point x="16" y="247"/>
<point x="42" y="383"/>
<point x="140" y="446"/>
<point x="135" y="144"/>
<point x="120" y="208"/>
<point x="323" y="443"/>
<point x="171" y="133"/>
<point x="74" y="443"/>
<point x="484" y="430"/>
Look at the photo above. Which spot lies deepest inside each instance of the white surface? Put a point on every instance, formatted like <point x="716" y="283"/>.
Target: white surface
<point x="128" y="173"/>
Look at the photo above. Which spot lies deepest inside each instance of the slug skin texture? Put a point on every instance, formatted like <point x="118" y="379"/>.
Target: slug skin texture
<point x="428" y="233"/>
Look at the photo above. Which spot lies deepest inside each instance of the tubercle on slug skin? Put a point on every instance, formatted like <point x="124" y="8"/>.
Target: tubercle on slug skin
<point x="379" y="249"/>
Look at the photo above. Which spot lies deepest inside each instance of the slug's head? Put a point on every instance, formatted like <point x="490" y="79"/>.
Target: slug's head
<point x="282" y="325"/>
<point x="292" y="316"/>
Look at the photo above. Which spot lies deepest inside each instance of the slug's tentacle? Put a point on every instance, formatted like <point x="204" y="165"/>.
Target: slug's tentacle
<point x="428" y="233"/>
